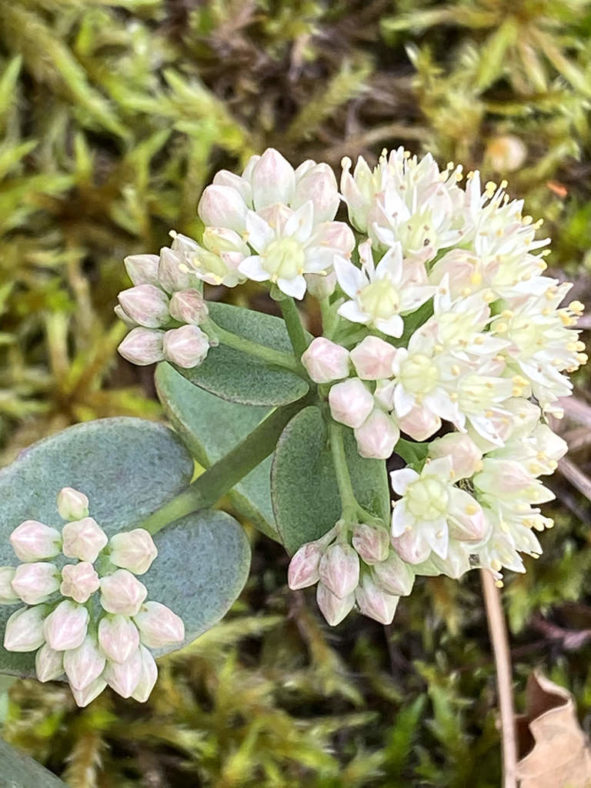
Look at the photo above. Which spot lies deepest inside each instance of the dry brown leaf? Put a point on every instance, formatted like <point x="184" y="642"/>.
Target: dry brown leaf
<point x="555" y="751"/>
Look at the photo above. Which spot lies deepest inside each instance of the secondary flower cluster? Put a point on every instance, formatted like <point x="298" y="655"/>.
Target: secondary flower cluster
<point x="353" y="564"/>
<point x="444" y="342"/>
<point x="162" y="297"/>
<point x="88" y="619"/>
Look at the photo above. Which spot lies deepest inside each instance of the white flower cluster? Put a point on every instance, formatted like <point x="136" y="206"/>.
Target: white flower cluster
<point x="94" y="640"/>
<point x="467" y="347"/>
<point x="162" y="309"/>
<point x="440" y="325"/>
<point x="272" y="224"/>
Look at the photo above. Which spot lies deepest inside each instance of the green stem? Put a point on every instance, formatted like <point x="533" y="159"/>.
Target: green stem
<point x="219" y="479"/>
<point x="277" y="358"/>
<point x="296" y="332"/>
<point x="329" y="318"/>
<point x="348" y="501"/>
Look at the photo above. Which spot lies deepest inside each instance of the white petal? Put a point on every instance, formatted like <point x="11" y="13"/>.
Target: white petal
<point x="300" y="223"/>
<point x="393" y="327"/>
<point x="351" y="311"/>
<point x="349" y="277"/>
<point x="402" y="478"/>
<point x="252" y="267"/>
<point x="437" y="536"/>
<point x="258" y="233"/>
<point x="296" y="288"/>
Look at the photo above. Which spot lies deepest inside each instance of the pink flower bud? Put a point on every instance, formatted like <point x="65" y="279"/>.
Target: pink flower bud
<point x="173" y="273"/>
<point x="371" y="543"/>
<point x="377" y="436"/>
<point x="35" y="583"/>
<point x="24" y="629"/>
<point x="236" y="182"/>
<point x="374" y="602"/>
<point x="83" y="539"/>
<point x="373" y="358"/>
<point x="118" y="637"/>
<point x="188" y="306"/>
<point x="186" y="346"/>
<point x="159" y="626"/>
<point x="84" y="664"/>
<point x="66" y="627"/>
<point x="350" y="402"/>
<point x="319" y="185"/>
<point x="333" y="608"/>
<point x="411" y="547"/>
<point x="148" y="676"/>
<point x="88" y="694"/>
<point x="394" y="576"/>
<point x="467" y="522"/>
<point x="124" y="677"/>
<point x="184" y="246"/>
<point x="502" y="477"/>
<point x="7" y="594"/>
<point x="339" y="569"/>
<point x="222" y="206"/>
<point x="146" y="305"/>
<point x="142" y="269"/>
<point x="49" y="664"/>
<point x="79" y="581"/>
<point x="465" y="455"/>
<point x="71" y="504"/>
<point x="122" y="593"/>
<point x="326" y="361"/>
<point x="142" y="346"/>
<point x="221" y="240"/>
<point x="272" y="180"/>
<point x="321" y="285"/>
<point x="419" y="423"/>
<point x="34" y="541"/>
<point x="134" y="550"/>
<point x="303" y="567"/>
<point x="123" y="316"/>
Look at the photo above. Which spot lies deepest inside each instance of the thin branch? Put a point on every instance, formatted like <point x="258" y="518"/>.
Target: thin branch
<point x="575" y="476"/>
<point x="500" y="644"/>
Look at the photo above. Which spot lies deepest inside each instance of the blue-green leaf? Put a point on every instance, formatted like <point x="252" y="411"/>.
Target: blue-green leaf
<point x="239" y="377"/>
<point x="202" y="566"/>
<point x="303" y="483"/>
<point x="210" y="427"/>
<point x="18" y="770"/>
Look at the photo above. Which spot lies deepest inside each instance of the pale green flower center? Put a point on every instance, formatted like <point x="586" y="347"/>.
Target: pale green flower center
<point x="427" y="498"/>
<point x="418" y="374"/>
<point x="211" y="263"/>
<point x="380" y="299"/>
<point x="475" y="394"/>
<point x="284" y="258"/>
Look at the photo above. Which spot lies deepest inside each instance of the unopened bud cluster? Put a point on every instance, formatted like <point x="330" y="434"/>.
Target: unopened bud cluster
<point x="86" y="613"/>
<point x="354" y="564"/>
<point x="163" y="308"/>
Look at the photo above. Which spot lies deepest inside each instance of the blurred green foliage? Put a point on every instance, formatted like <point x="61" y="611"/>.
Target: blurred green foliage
<point x="113" y="116"/>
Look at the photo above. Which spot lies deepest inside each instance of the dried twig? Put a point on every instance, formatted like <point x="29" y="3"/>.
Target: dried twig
<point x="575" y="476"/>
<point x="500" y="644"/>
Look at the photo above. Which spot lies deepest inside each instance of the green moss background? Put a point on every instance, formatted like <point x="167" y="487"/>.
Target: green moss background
<point x="113" y="117"/>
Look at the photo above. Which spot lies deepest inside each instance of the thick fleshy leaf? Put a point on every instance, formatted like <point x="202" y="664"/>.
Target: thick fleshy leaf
<point x="304" y="488"/>
<point x="240" y="377"/>
<point x="18" y="770"/>
<point x="202" y="566"/>
<point x="127" y="467"/>
<point x="210" y="427"/>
